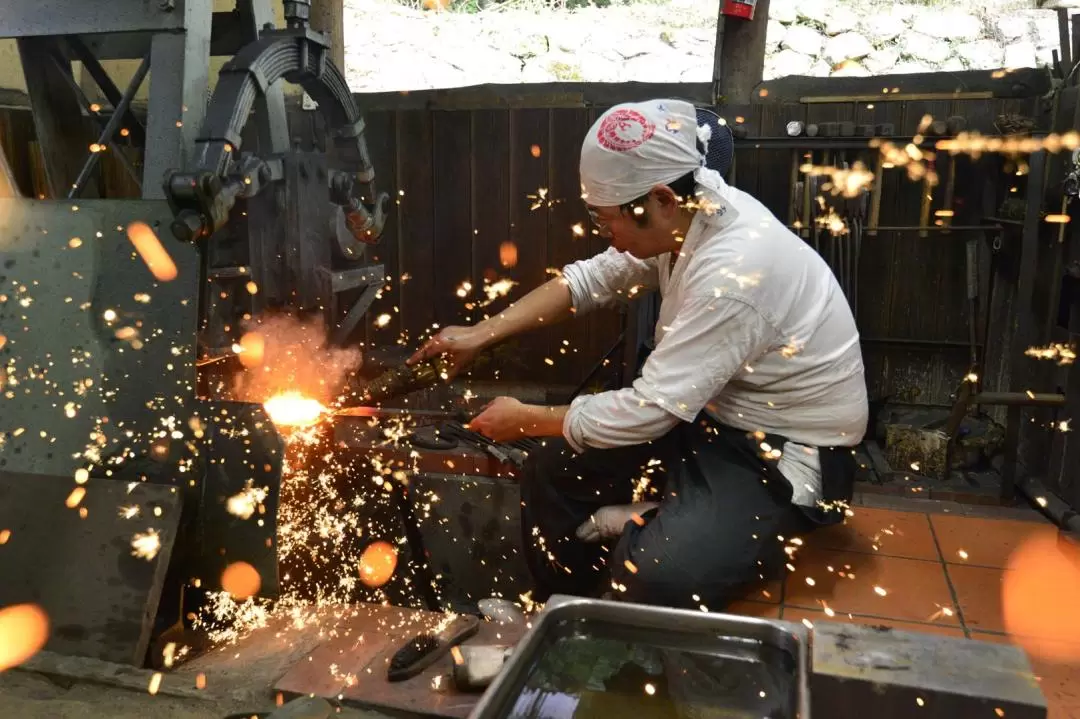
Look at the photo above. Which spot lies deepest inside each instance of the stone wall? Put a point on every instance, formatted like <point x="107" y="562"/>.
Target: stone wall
<point x="393" y="47"/>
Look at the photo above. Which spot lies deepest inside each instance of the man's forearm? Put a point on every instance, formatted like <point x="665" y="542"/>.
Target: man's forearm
<point x="543" y="421"/>
<point x="548" y="304"/>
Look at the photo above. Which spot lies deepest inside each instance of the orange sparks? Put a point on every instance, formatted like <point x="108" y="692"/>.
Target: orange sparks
<point x="377" y="564"/>
<point x="630" y="567"/>
<point x="293" y="409"/>
<point x="200" y="681"/>
<point x="1038" y="598"/>
<point x="241" y="580"/>
<point x="455" y="652"/>
<point x="250" y="349"/>
<point x="535" y="150"/>
<point x="75" y="497"/>
<point x="155" y="683"/>
<point x="508" y="254"/>
<point x="151" y="251"/>
<point x="24" y="629"/>
<point x="5" y="535"/>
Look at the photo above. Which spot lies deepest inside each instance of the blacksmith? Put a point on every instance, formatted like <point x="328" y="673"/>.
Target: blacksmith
<point x="739" y="429"/>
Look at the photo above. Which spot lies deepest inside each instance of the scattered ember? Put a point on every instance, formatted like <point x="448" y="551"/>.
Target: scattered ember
<point x="1063" y="354"/>
<point x="151" y="251"/>
<point x="508" y="256"/>
<point x="241" y="580"/>
<point x="24" y="629"/>
<point x="75" y="497"/>
<point x="146" y="545"/>
<point x="155" y="683"/>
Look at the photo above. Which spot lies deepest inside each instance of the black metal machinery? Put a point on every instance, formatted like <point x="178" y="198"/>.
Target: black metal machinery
<point x="233" y="201"/>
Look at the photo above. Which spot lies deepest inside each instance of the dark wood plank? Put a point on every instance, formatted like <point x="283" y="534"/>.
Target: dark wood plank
<point x="746" y="170"/>
<point x="382" y="141"/>
<point x="604" y="326"/>
<point x="16" y="133"/>
<point x="491" y="200"/>
<point x="417" y="236"/>
<point x="530" y="157"/>
<point x="101" y="599"/>
<point x="61" y="130"/>
<point x="1021" y="83"/>
<point x="774" y="192"/>
<point x="571" y="348"/>
<point x="452" y="164"/>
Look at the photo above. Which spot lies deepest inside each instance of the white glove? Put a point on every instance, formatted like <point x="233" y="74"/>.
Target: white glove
<point x="608" y="522"/>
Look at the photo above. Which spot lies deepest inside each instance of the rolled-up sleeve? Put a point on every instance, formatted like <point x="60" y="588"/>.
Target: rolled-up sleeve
<point x="608" y="277"/>
<point x="711" y="340"/>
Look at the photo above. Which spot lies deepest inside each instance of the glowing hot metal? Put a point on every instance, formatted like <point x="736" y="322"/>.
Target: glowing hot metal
<point x="293" y="409"/>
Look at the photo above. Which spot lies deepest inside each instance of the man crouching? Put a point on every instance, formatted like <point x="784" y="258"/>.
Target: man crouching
<point x="739" y="429"/>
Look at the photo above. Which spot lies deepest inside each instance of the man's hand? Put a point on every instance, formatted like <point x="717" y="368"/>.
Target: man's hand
<point x="502" y="419"/>
<point x="459" y="344"/>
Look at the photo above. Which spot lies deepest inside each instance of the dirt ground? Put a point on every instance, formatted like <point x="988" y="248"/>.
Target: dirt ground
<point x="24" y="695"/>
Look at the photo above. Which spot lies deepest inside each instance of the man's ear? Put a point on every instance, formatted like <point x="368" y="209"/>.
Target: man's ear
<point x="666" y="197"/>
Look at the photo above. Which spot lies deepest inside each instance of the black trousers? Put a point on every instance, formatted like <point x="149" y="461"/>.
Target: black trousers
<point x="723" y="507"/>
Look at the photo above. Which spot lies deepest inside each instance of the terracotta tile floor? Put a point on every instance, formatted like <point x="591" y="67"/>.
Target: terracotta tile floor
<point x="922" y="566"/>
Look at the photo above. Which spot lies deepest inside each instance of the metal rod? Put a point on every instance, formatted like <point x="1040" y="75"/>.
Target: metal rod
<point x="899" y="96"/>
<point x="1019" y="399"/>
<point x="112" y="124"/>
<point x="1064" y="40"/>
<point x="875" y="197"/>
<point x="80" y="96"/>
<point x="839" y="143"/>
<point x="915" y="342"/>
<point x="107" y="86"/>
<point x="933" y="228"/>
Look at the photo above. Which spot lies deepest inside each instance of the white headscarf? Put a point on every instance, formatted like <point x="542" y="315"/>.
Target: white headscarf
<point x="637" y="146"/>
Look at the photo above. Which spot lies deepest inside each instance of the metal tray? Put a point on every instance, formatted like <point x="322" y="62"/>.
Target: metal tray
<point x="586" y="658"/>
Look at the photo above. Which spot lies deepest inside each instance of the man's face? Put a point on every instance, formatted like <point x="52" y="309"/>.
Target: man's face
<point x="627" y="232"/>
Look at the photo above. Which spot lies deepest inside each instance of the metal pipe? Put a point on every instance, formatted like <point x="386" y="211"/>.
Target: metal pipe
<point x="1049" y="504"/>
<point x="839" y="143"/>
<point x="80" y="96"/>
<point x="933" y="228"/>
<point x="946" y="344"/>
<point x="1019" y="399"/>
<point x="112" y="125"/>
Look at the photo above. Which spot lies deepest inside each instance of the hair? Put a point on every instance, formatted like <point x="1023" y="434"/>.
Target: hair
<point x="685" y="188"/>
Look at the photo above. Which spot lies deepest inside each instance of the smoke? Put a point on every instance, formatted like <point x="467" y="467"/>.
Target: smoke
<point x="282" y="353"/>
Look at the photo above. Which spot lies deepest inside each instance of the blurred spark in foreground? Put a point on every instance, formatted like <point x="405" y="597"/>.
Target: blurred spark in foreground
<point x="152" y="252"/>
<point x="24" y="629"/>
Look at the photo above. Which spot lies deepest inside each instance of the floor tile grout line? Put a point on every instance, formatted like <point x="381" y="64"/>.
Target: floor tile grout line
<point x="843" y="616"/>
<point x="948" y="579"/>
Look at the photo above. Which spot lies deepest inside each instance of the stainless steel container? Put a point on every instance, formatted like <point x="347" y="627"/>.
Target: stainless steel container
<point x="587" y="658"/>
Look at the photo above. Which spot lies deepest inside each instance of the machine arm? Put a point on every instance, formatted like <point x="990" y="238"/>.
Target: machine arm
<point x="201" y="199"/>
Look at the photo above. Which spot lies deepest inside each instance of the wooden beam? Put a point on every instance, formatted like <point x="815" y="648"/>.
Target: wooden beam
<point x="739" y="65"/>
<point x="328" y="16"/>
